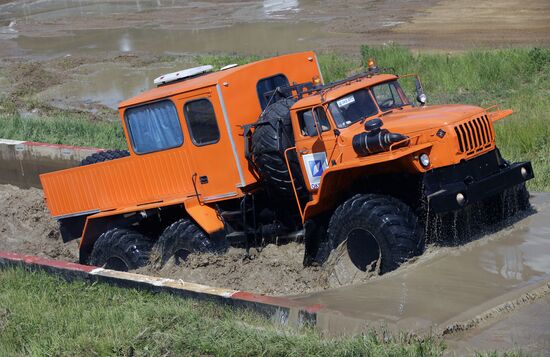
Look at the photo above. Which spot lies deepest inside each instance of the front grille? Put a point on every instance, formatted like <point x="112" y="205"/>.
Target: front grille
<point x="474" y="135"/>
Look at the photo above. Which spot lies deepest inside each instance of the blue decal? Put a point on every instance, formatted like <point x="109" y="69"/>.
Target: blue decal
<point x="316" y="168"/>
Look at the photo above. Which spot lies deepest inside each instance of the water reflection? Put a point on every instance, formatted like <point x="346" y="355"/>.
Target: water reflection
<point x="519" y="259"/>
<point x="272" y="6"/>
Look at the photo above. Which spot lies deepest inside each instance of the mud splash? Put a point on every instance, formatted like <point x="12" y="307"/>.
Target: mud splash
<point x="450" y="282"/>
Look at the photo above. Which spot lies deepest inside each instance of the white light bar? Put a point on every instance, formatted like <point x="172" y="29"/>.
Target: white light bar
<point x="179" y="75"/>
<point x="233" y="65"/>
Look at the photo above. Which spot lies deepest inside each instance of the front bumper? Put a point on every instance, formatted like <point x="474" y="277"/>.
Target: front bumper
<point x="476" y="179"/>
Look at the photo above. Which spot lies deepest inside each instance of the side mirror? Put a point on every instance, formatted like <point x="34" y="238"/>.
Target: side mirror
<point x="420" y="96"/>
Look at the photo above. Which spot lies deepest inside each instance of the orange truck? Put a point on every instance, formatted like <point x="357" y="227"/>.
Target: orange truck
<point x="268" y="152"/>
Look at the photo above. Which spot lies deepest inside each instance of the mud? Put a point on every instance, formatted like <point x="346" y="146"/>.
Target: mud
<point x="45" y="28"/>
<point x="275" y="270"/>
<point x="90" y="55"/>
<point x="452" y="284"/>
<point x="489" y="294"/>
<point x="526" y="329"/>
<point x="26" y="226"/>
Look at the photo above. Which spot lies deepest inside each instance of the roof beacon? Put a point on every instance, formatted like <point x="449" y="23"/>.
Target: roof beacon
<point x="183" y="74"/>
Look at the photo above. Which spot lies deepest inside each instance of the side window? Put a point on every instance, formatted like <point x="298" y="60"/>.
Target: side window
<point x="154" y="127"/>
<point x="322" y="118"/>
<point x="307" y="122"/>
<point x="201" y="121"/>
<point x="268" y="84"/>
<point x="307" y="125"/>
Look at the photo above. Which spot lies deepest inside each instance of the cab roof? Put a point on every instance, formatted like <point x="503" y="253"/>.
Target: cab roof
<point x="198" y="82"/>
<point x="339" y="90"/>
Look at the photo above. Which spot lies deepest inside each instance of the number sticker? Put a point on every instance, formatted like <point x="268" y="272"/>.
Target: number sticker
<point x="345" y="101"/>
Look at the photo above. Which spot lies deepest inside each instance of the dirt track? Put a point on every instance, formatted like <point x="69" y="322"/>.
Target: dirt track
<point x="27" y="227"/>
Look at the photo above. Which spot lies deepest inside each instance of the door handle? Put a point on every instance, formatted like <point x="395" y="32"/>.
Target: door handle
<point x="304" y="151"/>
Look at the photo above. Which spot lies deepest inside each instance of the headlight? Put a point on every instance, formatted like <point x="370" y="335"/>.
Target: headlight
<point x="424" y="160"/>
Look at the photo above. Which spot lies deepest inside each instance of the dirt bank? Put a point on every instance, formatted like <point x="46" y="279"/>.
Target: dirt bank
<point x="27" y="227"/>
<point x="275" y="270"/>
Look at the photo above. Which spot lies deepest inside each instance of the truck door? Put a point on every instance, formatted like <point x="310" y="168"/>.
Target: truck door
<point x="215" y="167"/>
<point x="315" y="144"/>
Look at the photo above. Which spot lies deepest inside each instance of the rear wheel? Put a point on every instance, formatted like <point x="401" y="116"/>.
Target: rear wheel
<point x="370" y="233"/>
<point x="121" y="249"/>
<point x="180" y="239"/>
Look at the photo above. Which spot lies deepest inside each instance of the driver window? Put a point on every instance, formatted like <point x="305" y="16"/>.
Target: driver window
<point x="307" y="122"/>
<point x="321" y="116"/>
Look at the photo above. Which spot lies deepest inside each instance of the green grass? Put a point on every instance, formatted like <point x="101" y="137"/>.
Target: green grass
<point x="41" y="315"/>
<point x="512" y="78"/>
<point x="64" y="128"/>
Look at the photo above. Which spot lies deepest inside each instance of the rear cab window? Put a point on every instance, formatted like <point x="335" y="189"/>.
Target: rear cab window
<point x="154" y="127"/>
<point x="268" y="84"/>
<point x="201" y="121"/>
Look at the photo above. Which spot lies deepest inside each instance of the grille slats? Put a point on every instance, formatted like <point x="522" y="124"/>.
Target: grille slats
<point x="474" y="135"/>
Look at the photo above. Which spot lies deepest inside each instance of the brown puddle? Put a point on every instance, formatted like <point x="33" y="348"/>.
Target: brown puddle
<point x="439" y="288"/>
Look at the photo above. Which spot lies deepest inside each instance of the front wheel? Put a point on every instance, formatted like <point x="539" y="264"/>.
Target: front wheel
<point x="370" y="233"/>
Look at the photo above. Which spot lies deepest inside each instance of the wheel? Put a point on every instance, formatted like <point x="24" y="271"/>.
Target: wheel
<point x="106" y="155"/>
<point x="270" y="139"/>
<point x="180" y="239"/>
<point x="121" y="249"/>
<point x="376" y="232"/>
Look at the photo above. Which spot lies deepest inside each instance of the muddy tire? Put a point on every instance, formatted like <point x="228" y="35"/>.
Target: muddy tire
<point x="270" y="139"/>
<point x="121" y="249"/>
<point x="377" y="232"/>
<point x="180" y="239"/>
<point x="106" y="155"/>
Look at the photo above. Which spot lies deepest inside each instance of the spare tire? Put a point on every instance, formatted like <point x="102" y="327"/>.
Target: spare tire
<point x="272" y="136"/>
<point x="106" y="155"/>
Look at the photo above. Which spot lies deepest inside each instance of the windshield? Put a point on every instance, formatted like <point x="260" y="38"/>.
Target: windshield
<point x="389" y="95"/>
<point x="352" y="108"/>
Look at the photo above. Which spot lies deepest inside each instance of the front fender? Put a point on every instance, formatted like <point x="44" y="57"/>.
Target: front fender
<point x="342" y="175"/>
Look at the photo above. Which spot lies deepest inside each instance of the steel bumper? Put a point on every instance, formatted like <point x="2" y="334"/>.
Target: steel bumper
<point x="476" y="179"/>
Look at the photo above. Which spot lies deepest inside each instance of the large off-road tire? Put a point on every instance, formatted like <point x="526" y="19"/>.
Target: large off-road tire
<point x="377" y="232"/>
<point x="178" y="240"/>
<point x="106" y="155"/>
<point x="121" y="249"/>
<point x="270" y="139"/>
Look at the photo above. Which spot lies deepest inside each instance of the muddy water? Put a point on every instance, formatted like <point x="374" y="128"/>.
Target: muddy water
<point x="527" y="328"/>
<point x="104" y="83"/>
<point x="452" y="283"/>
<point x="262" y="39"/>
